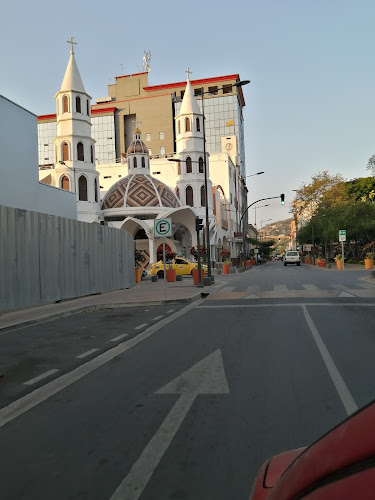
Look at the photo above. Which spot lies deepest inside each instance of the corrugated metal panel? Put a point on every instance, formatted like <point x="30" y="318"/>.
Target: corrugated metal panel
<point x="45" y="258"/>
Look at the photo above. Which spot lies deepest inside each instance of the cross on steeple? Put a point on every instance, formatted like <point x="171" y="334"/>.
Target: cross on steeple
<point x="136" y="121"/>
<point x="187" y="70"/>
<point x="72" y="42"/>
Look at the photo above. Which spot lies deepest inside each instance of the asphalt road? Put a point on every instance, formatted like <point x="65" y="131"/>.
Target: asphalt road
<point x="190" y="405"/>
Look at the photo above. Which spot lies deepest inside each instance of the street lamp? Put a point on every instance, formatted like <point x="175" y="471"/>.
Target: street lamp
<point x="74" y="173"/>
<point x="241" y="83"/>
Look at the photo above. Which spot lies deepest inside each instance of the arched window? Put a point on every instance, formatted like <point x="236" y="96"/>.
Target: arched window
<point x="201" y="170"/>
<point x="189" y="196"/>
<point x="198" y="125"/>
<point x="87" y="107"/>
<point x="203" y="197"/>
<point x="65" y="104"/>
<point x="135" y="162"/>
<point x="96" y="189"/>
<point x="143" y="162"/>
<point x="80" y="152"/>
<point x="179" y="126"/>
<point x="189" y="167"/>
<point x="92" y="153"/>
<point x="178" y="193"/>
<point x="187" y="124"/>
<point x="65" y="184"/>
<point x="65" y="151"/>
<point x="78" y="104"/>
<point x="82" y="188"/>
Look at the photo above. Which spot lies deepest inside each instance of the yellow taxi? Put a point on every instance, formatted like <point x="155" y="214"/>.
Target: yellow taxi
<point x="181" y="265"/>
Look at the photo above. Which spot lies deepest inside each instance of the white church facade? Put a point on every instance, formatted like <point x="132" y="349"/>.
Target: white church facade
<point x="146" y="189"/>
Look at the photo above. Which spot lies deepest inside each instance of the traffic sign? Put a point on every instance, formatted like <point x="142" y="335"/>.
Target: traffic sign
<point x="308" y="248"/>
<point x="163" y="227"/>
<point x="342" y="235"/>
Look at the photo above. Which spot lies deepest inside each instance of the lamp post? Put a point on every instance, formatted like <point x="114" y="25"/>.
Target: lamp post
<point x="241" y="83"/>
<point x="74" y="173"/>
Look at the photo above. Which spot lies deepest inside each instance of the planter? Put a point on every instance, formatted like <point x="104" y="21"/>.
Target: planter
<point x="171" y="275"/>
<point x="226" y="268"/>
<point x="196" y="276"/>
<point x="369" y="263"/>
<point x="252" y="262"/>
<point x="339" y="264"/>
<point x="248" y="263"/>
<point x="138" y="274"/>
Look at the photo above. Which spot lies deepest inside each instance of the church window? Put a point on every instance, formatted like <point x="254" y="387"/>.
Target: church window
<point x="65" y="184"/>
<point x="92" y="153"/>
<point x="80" y="152"/>
<point x="201" y="170"/>
<point x="203" y="197"/>
<point x="65" y="151"/>
<point x="87" y="107"/>
<point x="65" y="104"/>
<point x="179" y="127"/>
<point x="96" y="190"/>
<point x="143" y="162"/>
<point x="187" y="124"/>
<point x="78" y="104"/>
<point x="189" y="196"/>
<point x="135" y="162"/>
<point x="82" y="188"/>
<point x="178" y="193"/>
<point x="198" y="125"/>
<point x="189" y="166"/>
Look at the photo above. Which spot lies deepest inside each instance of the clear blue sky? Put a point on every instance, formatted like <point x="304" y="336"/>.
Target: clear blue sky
<point x="310" y="103"/>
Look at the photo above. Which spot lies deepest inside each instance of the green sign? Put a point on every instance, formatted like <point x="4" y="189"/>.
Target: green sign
<point x="163" y="227"/>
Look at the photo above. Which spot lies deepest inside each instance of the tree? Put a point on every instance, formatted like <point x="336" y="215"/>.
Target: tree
<point x="371" y="165"/>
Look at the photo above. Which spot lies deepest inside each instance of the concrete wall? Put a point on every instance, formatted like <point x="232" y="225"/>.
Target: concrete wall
<point x="19" y="186"/>
<point x="45" y="258"/>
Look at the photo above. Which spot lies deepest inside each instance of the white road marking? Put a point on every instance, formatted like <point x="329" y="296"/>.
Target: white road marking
<point x="251" y="296"/>
<point x="41" y="377"/>
<point x="206" y="377"/>
<point x="312" y="288"/>
<point x="342" y="389"/>
<point x="87" y="353"/>
<point x="280" y="288"/>
<point x="158" y="317"/>
<point x="119" y="337"/>
<point x="346" y="294"/>
<point x="140" y="326"/>
<point x="171" y="311"/>
<point x="26" y="403"/>
<point x="291" y="304"/>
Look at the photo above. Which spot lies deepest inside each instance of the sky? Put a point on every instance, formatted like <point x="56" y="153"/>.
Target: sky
<point x="310" y="103"/>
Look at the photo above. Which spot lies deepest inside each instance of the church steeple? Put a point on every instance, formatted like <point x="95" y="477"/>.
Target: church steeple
<point x="72" y="79"/>
<point x="74" y="146"/>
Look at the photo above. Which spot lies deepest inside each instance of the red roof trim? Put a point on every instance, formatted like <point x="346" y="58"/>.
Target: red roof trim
<point x="193" y="82"/>
<point x="46" y="117"/>
<point x="132" y="74"/>
<point x="101" y="110"/>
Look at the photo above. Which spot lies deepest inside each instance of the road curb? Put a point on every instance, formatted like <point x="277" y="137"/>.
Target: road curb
<point x="99" y="307"/>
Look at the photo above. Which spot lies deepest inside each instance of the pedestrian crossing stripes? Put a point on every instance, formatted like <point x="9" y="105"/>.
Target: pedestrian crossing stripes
<point x="331" y="290"/>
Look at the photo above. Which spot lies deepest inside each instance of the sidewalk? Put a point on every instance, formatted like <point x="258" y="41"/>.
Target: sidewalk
<point x="140" y="294"/>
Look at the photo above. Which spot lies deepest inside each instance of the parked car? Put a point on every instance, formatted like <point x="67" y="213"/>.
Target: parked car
<point x="292" y="257"/>
<point x="339" y="466"/>
<point x="181" y="265"/>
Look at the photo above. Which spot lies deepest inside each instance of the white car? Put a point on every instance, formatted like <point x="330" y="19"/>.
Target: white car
<point x="292" y="257"/>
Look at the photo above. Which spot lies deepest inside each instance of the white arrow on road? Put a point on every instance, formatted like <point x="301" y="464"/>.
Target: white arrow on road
<point x="206" y="377"/>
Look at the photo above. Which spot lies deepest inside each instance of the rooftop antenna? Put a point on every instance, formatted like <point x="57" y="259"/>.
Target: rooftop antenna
<point x="146" y="61"/>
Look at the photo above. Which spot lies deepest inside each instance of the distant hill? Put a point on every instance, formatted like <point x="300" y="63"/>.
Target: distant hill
<point x="278" y="229"/>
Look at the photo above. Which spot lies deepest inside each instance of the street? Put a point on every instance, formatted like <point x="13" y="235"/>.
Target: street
<point x="184" y="402"/>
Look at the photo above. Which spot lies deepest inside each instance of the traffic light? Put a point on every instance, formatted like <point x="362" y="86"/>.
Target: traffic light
<point x="198" y="224"/>
<point x="297" y="247"/>
<point x="282" y="198"/>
